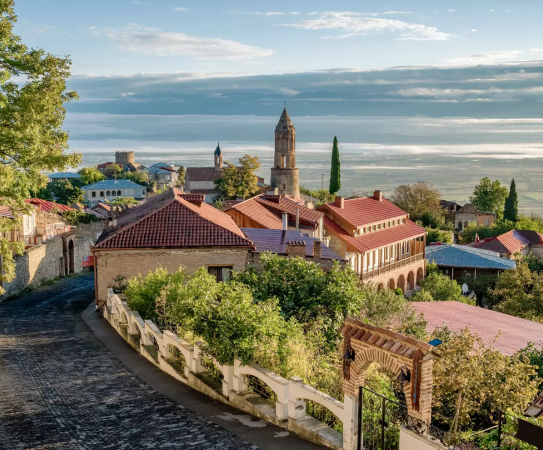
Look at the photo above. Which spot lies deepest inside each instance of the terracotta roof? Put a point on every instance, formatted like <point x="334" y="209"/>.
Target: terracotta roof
<point x="5" y="211"/>
<point x="515" y="333"/>
<point x="203" y="191"/>
<point x="365" y="210"/>
<point x="103" y="206"/>
<point x="276" y="241"/>
<point x="48" y="206"/>
<point x="510" y="242"/>
<point x="533" y="236"/>
<point x="386" y="339"/>
<point x="377" y="239"/>
<point x="259" y="213"/>
<point x="283" y="203"/>
<point x="174" y="219"/>
<point x="202" y="174"/>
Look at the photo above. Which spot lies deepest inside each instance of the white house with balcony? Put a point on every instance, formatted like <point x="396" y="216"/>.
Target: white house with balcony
<point x="109" y="190"/>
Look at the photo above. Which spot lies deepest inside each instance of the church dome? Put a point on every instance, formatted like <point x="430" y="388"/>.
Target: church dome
<point x="218" y="150"/>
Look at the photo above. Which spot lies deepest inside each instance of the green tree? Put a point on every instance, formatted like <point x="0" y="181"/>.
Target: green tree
<point x="66" y="193"/>
<point x="182" y="173"/>
<point x="519" y="292"/>
<point x="123" y="201"/>
<point x="32" y="96"/>
<point x="439" y="236"/>
<point x="489" y="196"/>
<point x="511" y="204"/>
<point x="418" y="200"/>
<point x="140" y="177"/>
<point x="441" y="289"/>
<point x="239" y="181"/>
<point x="321" y="196"/>
<point x="335" y="170"/>
<point x="90" y="175"/>
<point x="535" y="357"/>
<point x="44" y="193"/>
<point x="495" y="381"/>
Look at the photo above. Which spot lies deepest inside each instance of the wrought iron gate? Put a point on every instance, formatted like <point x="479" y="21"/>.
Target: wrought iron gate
<point x="379" y="421"/>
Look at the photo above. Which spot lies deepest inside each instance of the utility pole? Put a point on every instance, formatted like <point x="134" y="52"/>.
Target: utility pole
<point x="322" y="182"/>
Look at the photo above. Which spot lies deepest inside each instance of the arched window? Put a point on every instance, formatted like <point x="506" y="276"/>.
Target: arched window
<point x="460" y="225"/>
<point x="119" y="193"/>
<point x="108" y="194"/>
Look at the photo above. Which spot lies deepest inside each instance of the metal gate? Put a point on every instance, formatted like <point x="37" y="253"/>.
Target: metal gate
<point x="379" y="421"/>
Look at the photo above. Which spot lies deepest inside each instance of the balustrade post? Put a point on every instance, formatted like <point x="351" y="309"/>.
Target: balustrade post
<point x="196" y="365"/>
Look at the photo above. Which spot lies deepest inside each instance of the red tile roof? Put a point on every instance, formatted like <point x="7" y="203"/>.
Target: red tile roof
<point x="515" y="333"/>
<point x="511" y="242"/>
<point x="102" y="205"/>
<point x="174" y="219"/>
<point x="366" y="210"/>
<point x="377" y="239"/>
<point x="202" y="174"/>
<point x="5" y="211"/>
<point x="267" y="210"/>
<point x="48" y="206"/>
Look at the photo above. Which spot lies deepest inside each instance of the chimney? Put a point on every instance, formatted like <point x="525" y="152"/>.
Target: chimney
<point x="340" y="202"/>
<point x="114" y="222"/>
<point x="297" y="217"/>
<point x="378" y="195"/>
<point x="296" y="248"/>
<point x="273" y="192"/>
<point x="285" y="221"/>
<point x="317" y="251"/>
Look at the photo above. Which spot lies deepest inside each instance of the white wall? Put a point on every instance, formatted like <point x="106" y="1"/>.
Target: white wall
<point x="412" y="441"/>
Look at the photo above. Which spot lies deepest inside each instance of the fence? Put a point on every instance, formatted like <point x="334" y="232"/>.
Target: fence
<point x="285" y="399"/>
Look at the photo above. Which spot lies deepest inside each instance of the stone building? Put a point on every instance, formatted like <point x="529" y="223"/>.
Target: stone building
<point x="127" y="161"/>
<point x="52" y="247"/>
<point x="163" y="174"/>
<point x="268" y="211"/>
<point x="284" y="173"/>
<point x="169" y="230"/>
<point x="468" y="213"/>
<point x="382" y="245"/>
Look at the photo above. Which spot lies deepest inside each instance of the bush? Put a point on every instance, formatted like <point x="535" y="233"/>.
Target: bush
<point x="76" y="217"/>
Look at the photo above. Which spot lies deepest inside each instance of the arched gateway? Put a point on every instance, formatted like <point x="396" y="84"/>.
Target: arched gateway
<point x="364" y="344"/>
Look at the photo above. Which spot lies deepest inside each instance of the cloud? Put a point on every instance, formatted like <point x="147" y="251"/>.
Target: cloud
<point x="270" y="13"/>
<point x="177" y="8"/>
<point x="151" y="41"/>
<point x="493" y="57"/>
<point x="388" y="13"/>
<point x="353" y="24"/>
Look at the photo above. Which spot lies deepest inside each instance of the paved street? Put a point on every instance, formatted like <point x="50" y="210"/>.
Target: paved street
<point x="61" y="388"/>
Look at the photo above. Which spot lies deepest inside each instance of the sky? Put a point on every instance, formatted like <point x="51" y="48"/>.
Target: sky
<point x="409" y="72"/>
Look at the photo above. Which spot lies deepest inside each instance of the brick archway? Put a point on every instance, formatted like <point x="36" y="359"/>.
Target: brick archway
<point x="420" y="276"/>
<point x="68" y="252"/>
<point x="411" y="281"/>
<point x="380" y="286"/>
<point x="392" y="284"/>
<point x="393" y="351"/>
<point x="401" y="283"/>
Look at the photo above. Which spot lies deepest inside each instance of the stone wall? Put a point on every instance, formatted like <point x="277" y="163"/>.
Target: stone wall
<point x="289" y="178"/>
<point x="131" y="263"/>
<point x="324" y="264"/>
<point x="41" y="263"/>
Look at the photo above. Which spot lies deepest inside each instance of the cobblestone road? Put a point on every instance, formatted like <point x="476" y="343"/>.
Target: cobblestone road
<point x="61" y="389"/>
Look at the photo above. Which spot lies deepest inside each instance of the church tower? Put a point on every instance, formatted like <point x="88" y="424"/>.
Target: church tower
<point x="218" y="157"/>
<point x="284" y="173"/>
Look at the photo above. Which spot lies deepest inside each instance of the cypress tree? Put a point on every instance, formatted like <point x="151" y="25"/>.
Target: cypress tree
<point x="511" y="204"/>
<point x="335" y="173"/>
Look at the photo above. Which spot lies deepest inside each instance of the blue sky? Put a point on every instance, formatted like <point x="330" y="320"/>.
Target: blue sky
<point x="410" y="72"/>
<point x="124" y="37"/>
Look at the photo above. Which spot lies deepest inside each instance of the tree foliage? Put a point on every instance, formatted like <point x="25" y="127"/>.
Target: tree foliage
<point x="489" y="196"/>
<point x="511" y="204"/>
<point x="519" y="292"/>
<point x="124" y="201"/>
<point x="32" y="96"/>
<point x="182" y="173"/>
<point x="439" y="236"/>
<point x="335" y="170"/>
<point x="440" y="288"/>
<point x="90" y="175"/>
<point x="472" y="380"/>
<point x="66" y="193"/>
<point x="418" y="200"/>
<point x="320" y="196"/>
<point x="140" y="177"/>
<point x="239" y="181"/>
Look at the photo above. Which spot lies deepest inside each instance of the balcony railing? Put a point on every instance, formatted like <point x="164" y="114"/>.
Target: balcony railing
<point x="390" y="267"/>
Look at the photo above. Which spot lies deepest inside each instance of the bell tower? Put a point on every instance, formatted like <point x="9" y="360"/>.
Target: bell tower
<point x="218" y="157"/>
<point x="284" y="173"/>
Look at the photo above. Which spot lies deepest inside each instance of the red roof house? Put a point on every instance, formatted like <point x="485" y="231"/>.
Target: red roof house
<point x="382" y="245"/>
<point x="514" y="241"/>
<point x="170" y="230"/>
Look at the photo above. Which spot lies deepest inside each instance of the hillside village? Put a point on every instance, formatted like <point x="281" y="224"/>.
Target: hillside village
<point x="207" y="307"/>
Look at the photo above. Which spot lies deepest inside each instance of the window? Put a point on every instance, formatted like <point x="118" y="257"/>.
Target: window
<point x="388" y="224"/>
<point x="282" y="160"/>
<point x="143" y="192"/>
<point x="460" y="225"/>
<point x="119" y="193"/>
<point x="221" y="273"/>
<point x="487" y="221"/>
<point x="108" y="194"/>
<point x="93" y="194"/>
<point x="374" y="228"/>
<point x="101" y="193"/>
